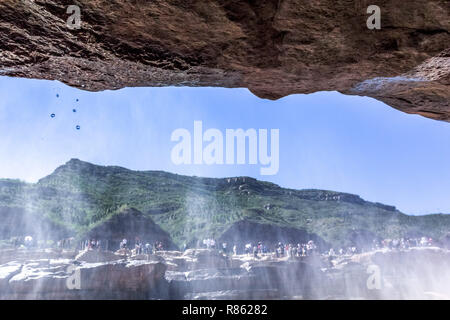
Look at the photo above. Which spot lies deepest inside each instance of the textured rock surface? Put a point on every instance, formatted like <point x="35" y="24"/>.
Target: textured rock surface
<point x="417" y="273"/>
<point x="272" y="47"/>
<point x="21" y="255"/>
<point x="92" y="256"/>
<point x="47" y="279"/>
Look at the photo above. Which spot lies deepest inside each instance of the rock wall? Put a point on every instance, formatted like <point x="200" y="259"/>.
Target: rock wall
<point x="272" y="47"/>
<point x="417" y="273"/>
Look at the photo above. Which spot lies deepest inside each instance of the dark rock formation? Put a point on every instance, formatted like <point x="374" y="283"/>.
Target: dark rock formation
<point x="129" y="224"/>
<point x="245" y="231"/>
<point x="272" y="47"/>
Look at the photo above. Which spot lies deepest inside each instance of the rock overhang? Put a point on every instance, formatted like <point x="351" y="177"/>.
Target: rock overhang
<point x="273" y="48"/>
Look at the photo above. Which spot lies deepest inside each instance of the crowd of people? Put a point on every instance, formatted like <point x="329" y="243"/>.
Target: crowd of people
<point x="310" y="248"/>
<point x="91" y="244"/>
<point x="259" y="248"/>
<point x="299" y="250"/>
<point x="65" y="243"/>
<point x="390" y="244"/>
<point x="256" y="249"/>
<point x="138" y="248"/>
<point x="403" y="243"/>
<point x="141" y="248"/>
<point x="34" y="242"/>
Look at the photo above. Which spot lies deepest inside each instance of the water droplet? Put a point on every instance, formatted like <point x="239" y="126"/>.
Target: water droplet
<point x="52" y="115"/>
<point x="77" y="100"/>
<point x="74" y="110"/>
<point x="77" y="127"/>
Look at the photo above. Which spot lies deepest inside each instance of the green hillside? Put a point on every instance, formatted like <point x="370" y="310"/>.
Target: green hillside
<point x="79" y="196"/>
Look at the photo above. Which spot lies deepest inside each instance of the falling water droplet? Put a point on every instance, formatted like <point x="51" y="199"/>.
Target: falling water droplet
<point x="52" y="115"/>
<point x="77" y="127"/>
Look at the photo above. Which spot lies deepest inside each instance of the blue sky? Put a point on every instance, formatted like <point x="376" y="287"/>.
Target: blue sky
<point x="327" y="140"/>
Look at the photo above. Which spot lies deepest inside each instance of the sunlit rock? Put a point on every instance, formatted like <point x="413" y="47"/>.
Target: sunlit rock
<point x="7" y="271"/>
<point x="97" y="256"/>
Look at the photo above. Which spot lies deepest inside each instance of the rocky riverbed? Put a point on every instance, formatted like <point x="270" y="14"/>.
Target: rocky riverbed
<point x="207" y="274"/>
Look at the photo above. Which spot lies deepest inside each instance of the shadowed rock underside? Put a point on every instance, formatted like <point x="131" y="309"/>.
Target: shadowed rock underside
<point x="272" y="47"/>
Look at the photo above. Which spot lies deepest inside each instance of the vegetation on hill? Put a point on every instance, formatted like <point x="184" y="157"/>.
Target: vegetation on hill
<point x="80" y="196"/>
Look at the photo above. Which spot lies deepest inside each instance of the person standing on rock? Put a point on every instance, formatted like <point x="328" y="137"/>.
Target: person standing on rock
<point x="278" y="250"/>
<point x="331" y="252"/>
<point x="137" y="247"/>
<point x="28" y="241"/>
<point x="281" y="247"/>
<point x="224" y="247"/>
<point x="123" y="244"/>
<point x="248" y="248"/>
<point x="255" y="252"/>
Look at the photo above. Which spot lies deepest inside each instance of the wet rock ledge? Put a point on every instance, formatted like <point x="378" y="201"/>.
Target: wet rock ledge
<point x="417" y="273"/>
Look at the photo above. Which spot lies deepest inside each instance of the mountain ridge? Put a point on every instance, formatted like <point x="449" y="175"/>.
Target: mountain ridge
<point x="77" y="161"/>
<point x="78" y="196"/>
